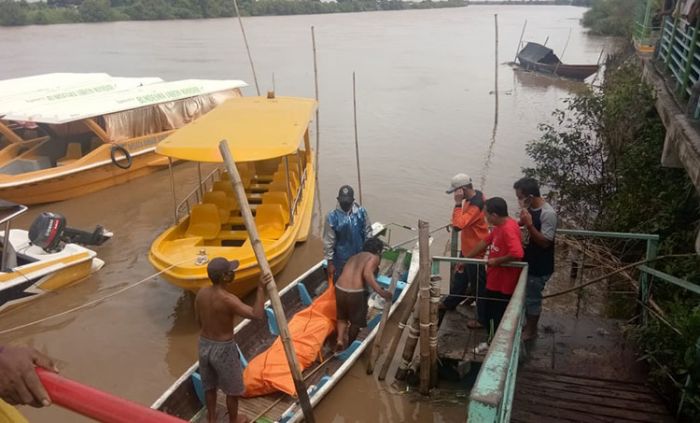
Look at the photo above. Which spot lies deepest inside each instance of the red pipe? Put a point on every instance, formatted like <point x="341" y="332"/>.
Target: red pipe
<point x="96" y="404"/>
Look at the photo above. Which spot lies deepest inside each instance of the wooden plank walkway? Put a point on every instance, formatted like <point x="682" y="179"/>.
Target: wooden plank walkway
<point x="455" y="340"/>
<point x="583" y="370"/>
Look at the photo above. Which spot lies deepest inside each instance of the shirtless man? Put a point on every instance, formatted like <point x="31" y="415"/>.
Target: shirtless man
<point x="351" y="295"/>
<point x="219" y="363"/>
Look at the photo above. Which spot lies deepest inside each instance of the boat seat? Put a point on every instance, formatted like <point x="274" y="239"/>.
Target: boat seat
<point x="269" y="219"/>
<point x="204" y="222"/>
<point x="73" y="152"/>
<point x="278" y="186"/>
<point x="276" y="197"/>
<point x="245" y="178"/>
<point x="221" y="201"/>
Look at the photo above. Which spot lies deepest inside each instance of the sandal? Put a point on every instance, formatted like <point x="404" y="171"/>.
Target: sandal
<point x="474" y="324"/>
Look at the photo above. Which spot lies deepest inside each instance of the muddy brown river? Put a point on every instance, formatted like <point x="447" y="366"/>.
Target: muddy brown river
<point x="426" y="110"/>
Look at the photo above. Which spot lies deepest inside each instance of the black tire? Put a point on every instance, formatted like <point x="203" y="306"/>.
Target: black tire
<point x="120" y="164"/>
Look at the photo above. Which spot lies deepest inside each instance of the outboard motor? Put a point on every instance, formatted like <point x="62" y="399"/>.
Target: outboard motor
<point x="50" y="233"/>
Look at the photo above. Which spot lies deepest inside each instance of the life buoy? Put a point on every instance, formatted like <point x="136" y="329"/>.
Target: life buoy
<point x="120" y="164"/>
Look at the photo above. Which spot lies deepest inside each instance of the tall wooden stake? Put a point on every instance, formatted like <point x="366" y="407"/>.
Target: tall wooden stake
<point x="561" y="58"/>
<point x="409" y="348"/>
<point x="247" y="48"/>
<point x="376" y="348"/>
<point x="271" y="288"/>
<point x="357" y="147"/>
<point x="434" y="302"/>
<point x="410" y="301"/>
<point x="424" y="280"/>
<point x="522" y="34"/>
<point x="318" y="133"/>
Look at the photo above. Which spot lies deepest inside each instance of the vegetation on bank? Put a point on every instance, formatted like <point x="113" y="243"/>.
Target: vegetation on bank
<point x="69" y="11"/>
<point x="602" y="162"/>
<point x="611" y="17"/>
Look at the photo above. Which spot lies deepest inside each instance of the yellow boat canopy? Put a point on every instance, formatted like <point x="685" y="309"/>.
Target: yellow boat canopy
<point x="256" y="128"/>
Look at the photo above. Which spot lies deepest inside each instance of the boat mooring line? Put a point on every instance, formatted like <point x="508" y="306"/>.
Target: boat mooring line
<point x="93" y="302"/>
<point x="357" y="147"/>
<point x="492" y="143"/>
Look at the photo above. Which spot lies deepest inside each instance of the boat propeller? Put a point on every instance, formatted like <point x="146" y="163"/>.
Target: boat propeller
<point x="50" y="233"/>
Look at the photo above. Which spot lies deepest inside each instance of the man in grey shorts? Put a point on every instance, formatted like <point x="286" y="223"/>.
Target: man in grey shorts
<point x="215" y="309"/>
<point x="540" y="221"/>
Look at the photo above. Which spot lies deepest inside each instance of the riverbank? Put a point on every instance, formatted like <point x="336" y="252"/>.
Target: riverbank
<point x="14" y="13"/>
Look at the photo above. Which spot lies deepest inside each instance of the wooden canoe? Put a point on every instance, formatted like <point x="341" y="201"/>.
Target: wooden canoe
<point x="539" y="58"/>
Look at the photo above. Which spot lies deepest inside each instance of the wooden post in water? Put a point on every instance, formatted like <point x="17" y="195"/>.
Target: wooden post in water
<point x="424" y="307"/>
<point x="271" y="288"/>
<point x="522" y="34"/>
<point x="313" y="45"/>
<point x="376" y="347"/>
<point x="247" y="48"/>
<point x="357" y="147"/>
<point x="561" y="59"/>
<point x="409" y="348"/>
<point x="434" y="302"/>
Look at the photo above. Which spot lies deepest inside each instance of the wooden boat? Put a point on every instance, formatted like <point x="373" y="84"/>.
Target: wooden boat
<point x="28" y="271"/>
<point x="184" y="399"/>
<point x="542" y="59"/>
<point x="73" y="138"/>
<point x="269" y="140"/>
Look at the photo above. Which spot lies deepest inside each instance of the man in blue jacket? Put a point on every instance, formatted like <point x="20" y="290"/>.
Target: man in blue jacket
<point x="345" y="231"/>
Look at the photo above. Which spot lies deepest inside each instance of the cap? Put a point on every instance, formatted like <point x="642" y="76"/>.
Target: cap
<point x="218" y="266"/>
<point x="346" y="192"/>
<point x="458" y="181"/>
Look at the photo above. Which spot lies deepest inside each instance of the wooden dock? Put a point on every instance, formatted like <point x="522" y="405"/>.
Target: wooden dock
<point x="456" y="341"/>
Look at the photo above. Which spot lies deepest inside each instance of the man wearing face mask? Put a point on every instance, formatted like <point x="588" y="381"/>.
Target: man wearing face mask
<point x="468" y="218"/>
<point x="540" y="221"/>
<point x="345" y="231"/>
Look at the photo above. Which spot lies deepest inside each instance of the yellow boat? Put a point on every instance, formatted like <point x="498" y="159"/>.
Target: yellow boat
<point x="71" y="138"/>
<point x="269" y="140"/>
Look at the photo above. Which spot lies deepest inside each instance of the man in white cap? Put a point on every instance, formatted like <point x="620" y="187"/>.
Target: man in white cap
<point x="468" y="217"/>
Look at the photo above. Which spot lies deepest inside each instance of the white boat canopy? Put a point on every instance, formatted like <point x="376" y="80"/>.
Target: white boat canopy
<point x="39" y="98"/>
<point x="9" y="87"/>
<point x="75" y="109"/>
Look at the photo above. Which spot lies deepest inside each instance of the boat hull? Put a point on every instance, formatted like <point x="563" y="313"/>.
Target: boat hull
<point x="579" y="72"/>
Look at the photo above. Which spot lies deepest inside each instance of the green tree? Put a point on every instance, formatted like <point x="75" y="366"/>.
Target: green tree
<point x="13" y="13"/>
<point x="94" y="10"/>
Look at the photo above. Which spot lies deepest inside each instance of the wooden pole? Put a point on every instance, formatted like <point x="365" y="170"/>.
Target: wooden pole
<point x="522" y="34"/>
<point x="562" y="52"/>
<point x="271" y="288"/>
<point x="357" y="147"/>
<point x="172" y="189"/>
<point x="245" y="41"/>
<point x="410" y="346"/>
<point x="376" y="347"/>
<point x="318" y="132"/>
<point x="434" y="302"/>
<point x="403" y="319"/>
<point x="424" y="310"/>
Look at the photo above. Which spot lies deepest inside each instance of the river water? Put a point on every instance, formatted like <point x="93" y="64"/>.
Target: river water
<point x="426" y="110"/>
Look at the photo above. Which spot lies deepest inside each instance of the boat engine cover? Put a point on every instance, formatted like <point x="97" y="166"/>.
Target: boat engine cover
<point x="47" y="230"/>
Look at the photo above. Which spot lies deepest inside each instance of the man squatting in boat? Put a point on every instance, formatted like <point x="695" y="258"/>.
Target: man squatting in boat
<point x="351" y="294"/>
<point x="215" y="309"/>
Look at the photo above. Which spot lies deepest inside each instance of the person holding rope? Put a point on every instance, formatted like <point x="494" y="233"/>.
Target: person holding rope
<point x="345" y="231"/>
<point x="540" y="222"/>
<point x="468" y="218"/>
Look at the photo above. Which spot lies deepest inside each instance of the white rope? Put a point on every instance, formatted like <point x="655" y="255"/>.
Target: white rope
<point x="91" y="303"/>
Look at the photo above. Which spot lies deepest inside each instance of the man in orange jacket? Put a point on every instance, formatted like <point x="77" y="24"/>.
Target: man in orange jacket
<point x="468" y="218"/>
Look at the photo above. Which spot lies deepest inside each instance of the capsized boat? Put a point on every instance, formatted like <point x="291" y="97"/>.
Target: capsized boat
<point x="72" y="138"/>
<point x="45" y="258"/>
<point x="269" y="140"/>
<point x="310" y="308"/>
<point x="542" y="59"/>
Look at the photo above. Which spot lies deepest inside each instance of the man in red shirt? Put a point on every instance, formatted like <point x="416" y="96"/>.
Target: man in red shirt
<point x="468" y="218"/>
<point x="506" y="245"/>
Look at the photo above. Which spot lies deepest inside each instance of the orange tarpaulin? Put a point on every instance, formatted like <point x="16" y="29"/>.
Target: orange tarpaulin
<point x="269" y="372"/>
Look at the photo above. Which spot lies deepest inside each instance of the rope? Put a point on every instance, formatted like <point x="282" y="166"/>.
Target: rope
<point x="90" y="303"/>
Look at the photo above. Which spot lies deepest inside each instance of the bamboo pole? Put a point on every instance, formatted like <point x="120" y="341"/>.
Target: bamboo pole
<point x="522" y="34"/>
<point x="271" y="288"/>
<point x="403" y="319"/>
<point x="434" y="302"/>
<point x="357" y="147"/>
<point x="424" y="307"/>
<point x="376" y="347"/>
<point x="313" y="45"/>
<point x="561" y="59"/>
<point x="409" y="348"/>
<point x="247" y="48"/>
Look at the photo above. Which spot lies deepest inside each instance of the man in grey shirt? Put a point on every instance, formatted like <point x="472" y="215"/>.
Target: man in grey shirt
<point x="540" y="220"/>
